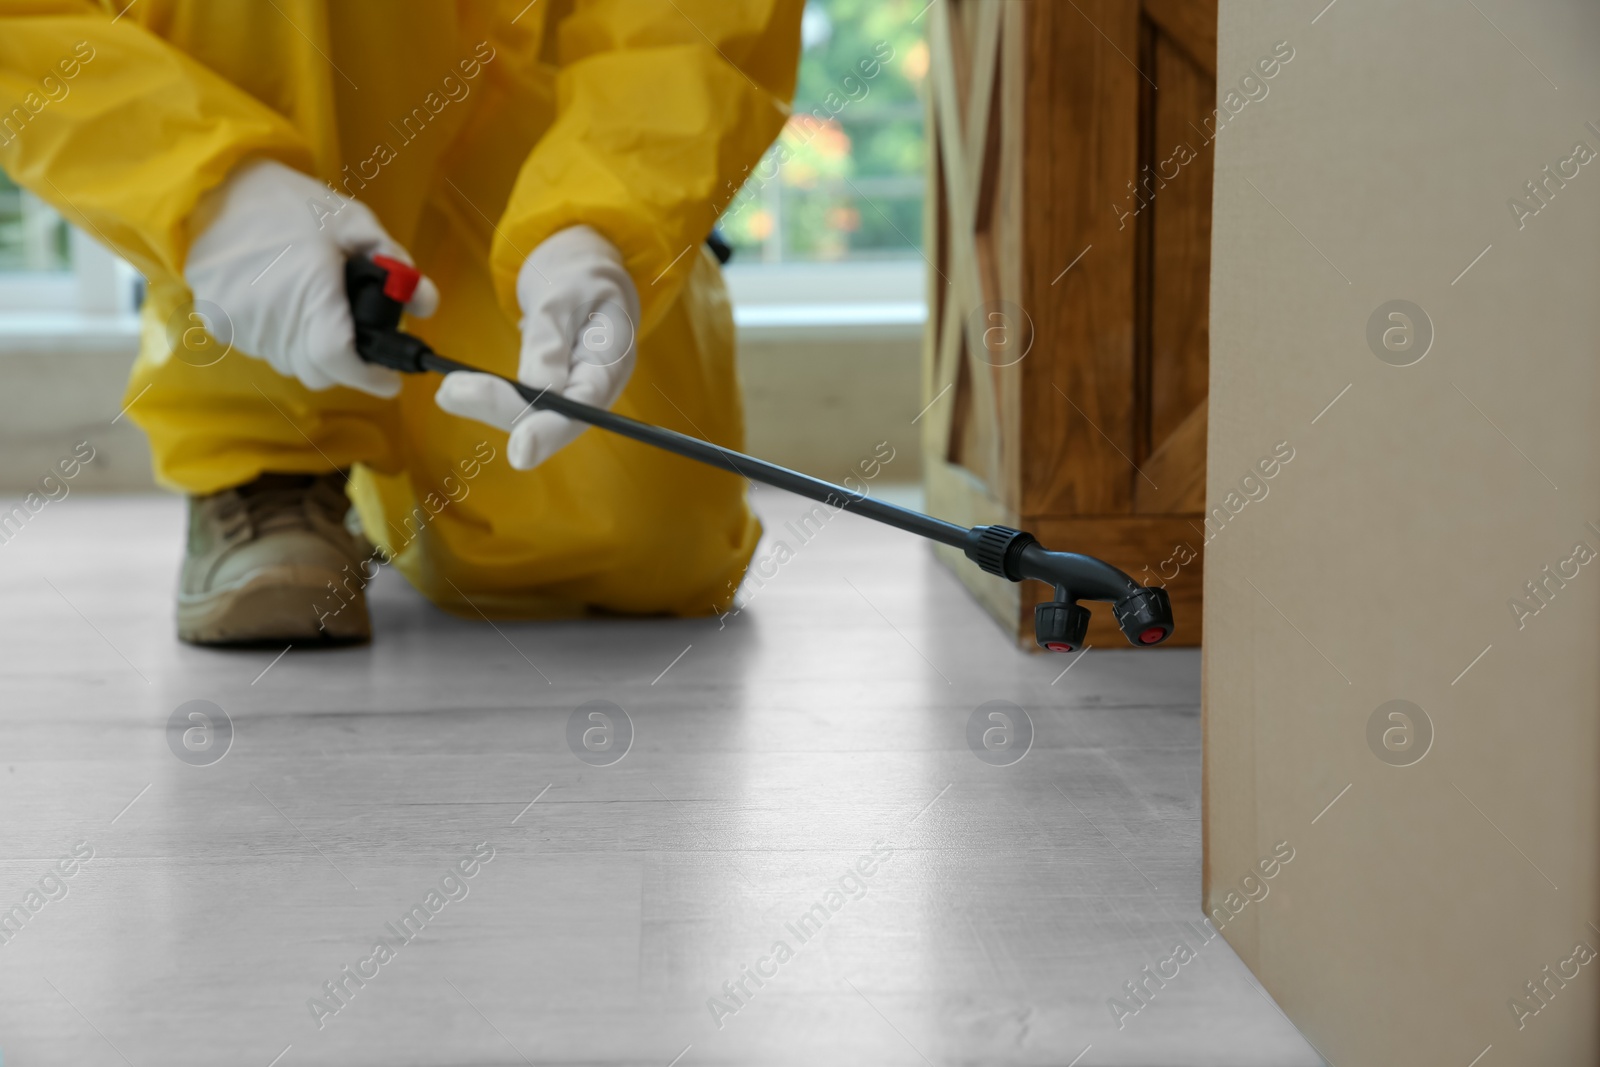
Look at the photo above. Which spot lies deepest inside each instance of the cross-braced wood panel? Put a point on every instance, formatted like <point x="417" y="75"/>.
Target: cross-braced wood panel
<point x="1066" y="362"/>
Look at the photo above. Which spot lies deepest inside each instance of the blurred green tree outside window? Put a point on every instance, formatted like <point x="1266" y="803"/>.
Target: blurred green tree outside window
<point x="32" y="236"/>
<point x="846" y="178"/>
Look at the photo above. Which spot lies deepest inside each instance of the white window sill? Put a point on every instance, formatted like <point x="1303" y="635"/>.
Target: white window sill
<point x="848" y="281"/>
<point x="24" y="292"/>
<point x="830" y="322"/>
<point x="48" y="331"/>
<point x="853" y="300"/>
<point x="860" y="300"/>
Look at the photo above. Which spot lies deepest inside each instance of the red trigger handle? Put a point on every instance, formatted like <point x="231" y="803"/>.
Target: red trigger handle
<point x="402" y="280"/>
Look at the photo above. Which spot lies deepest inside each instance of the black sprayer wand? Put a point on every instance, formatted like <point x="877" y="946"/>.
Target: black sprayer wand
<point x="378" y="288"/>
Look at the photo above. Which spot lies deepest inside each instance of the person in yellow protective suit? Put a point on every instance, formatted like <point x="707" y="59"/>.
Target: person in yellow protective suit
<point x="489" y="142"/>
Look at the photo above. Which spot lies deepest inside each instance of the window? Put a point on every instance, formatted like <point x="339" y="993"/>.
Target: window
<point x="32" y="236"/>
<point x="845" y="180"/>
<point x="829" y="224"/>
<point x="35" y="256"/>
<point x="52" y="276"/>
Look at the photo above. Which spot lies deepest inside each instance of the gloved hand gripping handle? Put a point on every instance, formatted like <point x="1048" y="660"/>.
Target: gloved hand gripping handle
<point x="378" y="288"/>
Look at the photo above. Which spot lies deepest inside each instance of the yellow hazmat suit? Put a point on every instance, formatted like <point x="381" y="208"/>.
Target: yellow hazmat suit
<point x="473" y="130"/>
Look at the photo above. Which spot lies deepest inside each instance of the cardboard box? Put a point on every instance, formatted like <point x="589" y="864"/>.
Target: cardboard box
<point x="1433" y="540"/>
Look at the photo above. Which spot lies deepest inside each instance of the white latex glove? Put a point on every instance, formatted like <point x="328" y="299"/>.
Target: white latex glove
<point x="579" y="314"/>
<point x="276" y="269"/>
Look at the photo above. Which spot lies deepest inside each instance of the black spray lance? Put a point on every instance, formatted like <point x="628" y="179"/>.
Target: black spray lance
<point x="379" y="287"/>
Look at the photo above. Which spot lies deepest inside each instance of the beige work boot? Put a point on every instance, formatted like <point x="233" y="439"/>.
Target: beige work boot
<point x="274" y="562"/>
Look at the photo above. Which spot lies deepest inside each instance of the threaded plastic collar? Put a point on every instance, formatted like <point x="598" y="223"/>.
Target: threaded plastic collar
<point x="996" y="548"/>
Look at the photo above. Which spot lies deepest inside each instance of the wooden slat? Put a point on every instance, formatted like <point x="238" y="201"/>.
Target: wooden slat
<point x="1179" y="223"/>
<point x="952" y="340"/>
<point x="1081" y="132"/>
<point x="1176" y="473"/>
<point x="1009" y="216"/>
<point x="1192" y="26"/>
<point x="983" y="433"/>
<point x="941" y="344"/>
<point x="950" y="55"/>
<point x="989" y="163"/>
<point x="985" y="55"/>
<point x="973" y="440"/>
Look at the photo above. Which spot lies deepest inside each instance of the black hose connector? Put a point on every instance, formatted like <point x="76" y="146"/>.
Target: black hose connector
<point x="997" y="549"/>
<point x="376" y="308"/>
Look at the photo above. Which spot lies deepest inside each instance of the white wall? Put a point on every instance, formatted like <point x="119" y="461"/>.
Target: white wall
<point x="818" y="399"/>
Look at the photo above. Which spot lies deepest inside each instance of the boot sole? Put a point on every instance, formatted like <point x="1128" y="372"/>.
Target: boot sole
<point x="274" y="606"/>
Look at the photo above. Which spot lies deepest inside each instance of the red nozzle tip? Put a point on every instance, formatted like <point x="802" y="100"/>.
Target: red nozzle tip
<point x="1057" y="646"/>
<point x="402" y="280"/>
<point x="1153" y="635"/>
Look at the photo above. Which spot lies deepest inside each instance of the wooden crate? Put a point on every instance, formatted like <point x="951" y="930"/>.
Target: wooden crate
<point x="1070" y="228"/>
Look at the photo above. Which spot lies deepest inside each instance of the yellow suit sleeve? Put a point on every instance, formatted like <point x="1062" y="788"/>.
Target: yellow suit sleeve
<point x="663" y="108"/>
<point x="120" y="131"/>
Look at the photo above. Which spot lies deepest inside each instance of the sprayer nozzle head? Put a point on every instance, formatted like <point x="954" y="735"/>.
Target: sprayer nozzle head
<point x="1145" y="617"/>
<point x="1059" y="625"/>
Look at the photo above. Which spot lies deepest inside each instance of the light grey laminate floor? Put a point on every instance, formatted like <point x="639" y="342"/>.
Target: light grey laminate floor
<point x="770" y="754"/>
